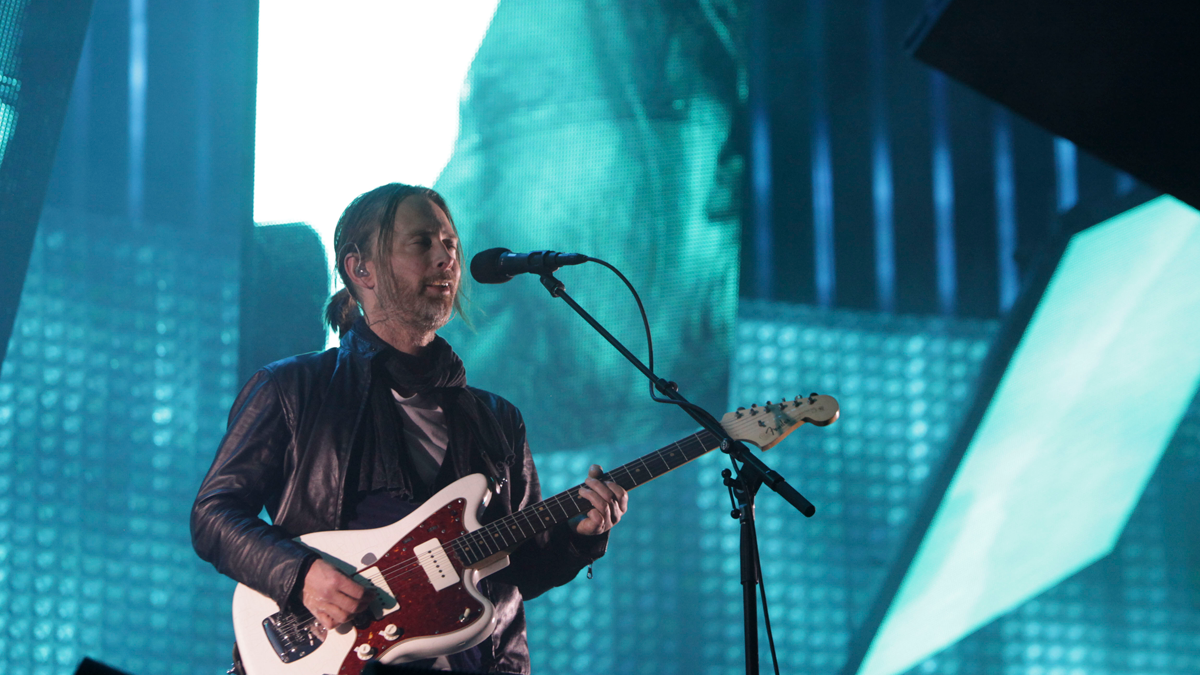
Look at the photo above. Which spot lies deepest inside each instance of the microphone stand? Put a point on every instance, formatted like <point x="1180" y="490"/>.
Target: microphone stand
<point x="752" y="473"/>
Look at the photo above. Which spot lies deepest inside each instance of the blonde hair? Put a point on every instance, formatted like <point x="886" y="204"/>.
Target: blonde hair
<point x="365" y="229"/>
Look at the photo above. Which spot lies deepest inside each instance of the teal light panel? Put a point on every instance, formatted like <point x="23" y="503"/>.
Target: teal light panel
<point x="1133" y="612"/>
<point x="1093" y="394"/>
<point x="10" y="85"/>
<point x="113" y="397"/>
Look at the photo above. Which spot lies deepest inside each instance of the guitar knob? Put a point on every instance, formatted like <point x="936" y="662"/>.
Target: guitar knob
<point x="390" y="632"/>
<point x="364" y="651"/>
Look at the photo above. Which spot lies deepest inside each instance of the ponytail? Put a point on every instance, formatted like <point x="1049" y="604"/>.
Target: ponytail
<point x="342" y="311"/>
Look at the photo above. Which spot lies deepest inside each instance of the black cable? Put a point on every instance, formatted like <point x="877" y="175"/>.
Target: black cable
<point x="641" y="308"/>
<point x="762" y="589"/>
<point x="762" y="586"/>
<point x="649" y="341"/>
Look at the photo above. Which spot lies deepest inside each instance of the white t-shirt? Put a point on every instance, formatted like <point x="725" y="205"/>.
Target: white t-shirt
<point x="425" y="433"/>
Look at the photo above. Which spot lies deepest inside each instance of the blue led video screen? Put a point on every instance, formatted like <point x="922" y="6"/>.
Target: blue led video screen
<point x="594" y="128"/>
<point x="1095" y="391"/>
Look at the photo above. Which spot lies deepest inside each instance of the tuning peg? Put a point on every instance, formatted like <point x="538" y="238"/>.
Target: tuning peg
<point x="753" y="409"/>
<point x="738" y="413"/>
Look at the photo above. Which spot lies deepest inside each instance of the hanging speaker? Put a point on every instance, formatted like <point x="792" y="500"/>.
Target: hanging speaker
<point x="1116" y="77"/>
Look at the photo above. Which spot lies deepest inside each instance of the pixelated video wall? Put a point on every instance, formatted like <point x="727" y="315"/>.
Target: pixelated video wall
<point x="667" y="597"/>
<point x="10" y="84"/>
<point x="113" y="396"/>
<point x="120" y="373"/>
<point x="1054" y="470"/>
<point x="670" y="587"/>
<point x="1136" y="611"/>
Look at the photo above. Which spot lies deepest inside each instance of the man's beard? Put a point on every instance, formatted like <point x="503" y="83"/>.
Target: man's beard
<point x="411" y="308"/>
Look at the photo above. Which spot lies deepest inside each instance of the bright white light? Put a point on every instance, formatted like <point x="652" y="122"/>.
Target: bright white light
<point x="355" y="94"/>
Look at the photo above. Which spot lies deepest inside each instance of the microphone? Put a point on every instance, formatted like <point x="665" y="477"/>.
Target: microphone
<point x="498" y="265"/>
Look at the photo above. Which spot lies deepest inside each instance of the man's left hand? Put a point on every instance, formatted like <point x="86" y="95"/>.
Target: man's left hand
<point x="609" y="502"/>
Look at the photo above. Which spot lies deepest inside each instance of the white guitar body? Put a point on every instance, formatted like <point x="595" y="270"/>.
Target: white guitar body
<point x="398" y="549"/>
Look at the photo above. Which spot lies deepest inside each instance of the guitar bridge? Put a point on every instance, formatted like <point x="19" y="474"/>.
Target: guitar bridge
<point x="293" y="637"/>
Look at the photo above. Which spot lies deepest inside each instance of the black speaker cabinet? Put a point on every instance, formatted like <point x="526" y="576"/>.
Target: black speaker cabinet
<point x="1116" y="77"/>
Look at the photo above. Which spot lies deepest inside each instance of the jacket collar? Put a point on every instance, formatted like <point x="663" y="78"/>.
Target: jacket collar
<point x="360" y="340"/>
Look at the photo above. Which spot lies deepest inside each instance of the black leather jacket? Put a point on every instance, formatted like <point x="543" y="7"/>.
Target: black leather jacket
<point x="286" y="450"/>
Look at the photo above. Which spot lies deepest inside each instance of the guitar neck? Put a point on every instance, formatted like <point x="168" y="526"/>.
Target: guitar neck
<point x="511" y="530"/>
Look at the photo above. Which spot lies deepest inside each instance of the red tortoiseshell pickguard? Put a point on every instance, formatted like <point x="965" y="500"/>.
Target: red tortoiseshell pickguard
<point x="421" y="611"/>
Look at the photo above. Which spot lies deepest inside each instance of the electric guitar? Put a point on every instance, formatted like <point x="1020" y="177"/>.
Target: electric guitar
<point x="424" y="569"/>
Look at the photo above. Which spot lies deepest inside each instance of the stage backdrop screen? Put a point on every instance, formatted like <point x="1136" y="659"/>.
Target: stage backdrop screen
<point x="1093" y="394"/>
<point x="601" y="128"/>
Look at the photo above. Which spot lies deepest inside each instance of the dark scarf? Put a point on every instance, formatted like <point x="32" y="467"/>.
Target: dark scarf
<point x="476" y="443"/>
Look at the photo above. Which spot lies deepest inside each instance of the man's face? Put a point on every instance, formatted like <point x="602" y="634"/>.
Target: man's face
<point x="425" y="267"/>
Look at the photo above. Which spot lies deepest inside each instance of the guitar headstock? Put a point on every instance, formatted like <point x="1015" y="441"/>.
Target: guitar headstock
<point x="768" y="424"/>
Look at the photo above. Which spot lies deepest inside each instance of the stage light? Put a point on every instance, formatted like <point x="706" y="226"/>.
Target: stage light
<point x="353" y="97"/>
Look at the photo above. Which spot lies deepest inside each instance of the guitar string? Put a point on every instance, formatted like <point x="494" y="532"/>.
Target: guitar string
<point x="462" y="543"/>
<point x="559" y="501"/>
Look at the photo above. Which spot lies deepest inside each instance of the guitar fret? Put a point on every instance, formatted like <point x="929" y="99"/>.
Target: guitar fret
<point x="703" y="442"/>
<point x="517" y="527"/>
<point x="529" y="522"/>
<point x="475" y="546"/>
<point x="465" y="547"/>
<point x="636" y="475"/>
<point x="557" y="500"/>
<point x="545" y="517"/>
<point x="506" y="526"/>
<point x="655" y="464"/>
<point x="646" y="466"/>
<point x="496" y="537"/>
<point x="514" y="524"/>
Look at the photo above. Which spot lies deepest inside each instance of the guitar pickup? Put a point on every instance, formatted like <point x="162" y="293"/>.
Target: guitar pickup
<point x="384" y="601"/>
<point x="436" y="564"/>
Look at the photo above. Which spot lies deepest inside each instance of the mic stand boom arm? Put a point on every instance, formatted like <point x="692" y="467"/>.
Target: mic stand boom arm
<point x="739" y="451"/>
<point x="752" y="474"/>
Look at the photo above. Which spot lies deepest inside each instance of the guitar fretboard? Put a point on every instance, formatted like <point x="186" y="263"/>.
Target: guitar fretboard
<point x="505" y="533"/>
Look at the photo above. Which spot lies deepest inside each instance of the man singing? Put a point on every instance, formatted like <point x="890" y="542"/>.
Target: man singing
<point x="359" y="436"/>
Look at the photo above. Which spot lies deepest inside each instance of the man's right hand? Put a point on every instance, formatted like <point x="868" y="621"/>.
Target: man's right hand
<point x="332" y="597"/>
